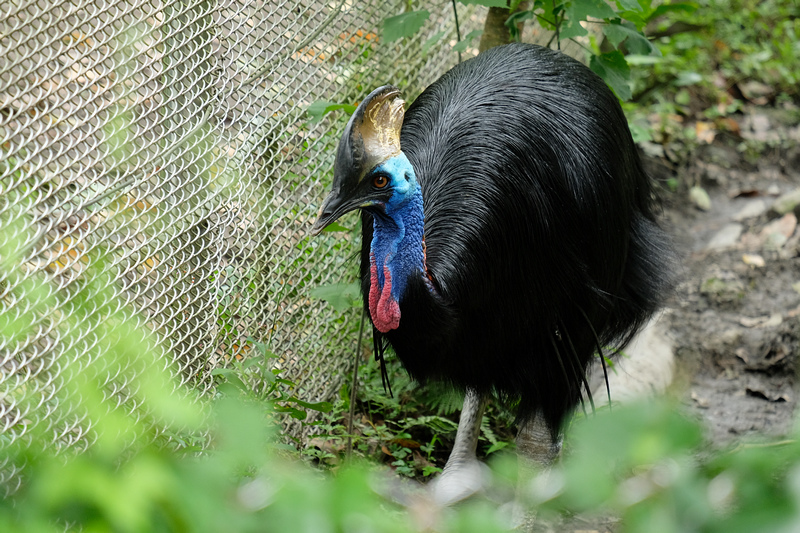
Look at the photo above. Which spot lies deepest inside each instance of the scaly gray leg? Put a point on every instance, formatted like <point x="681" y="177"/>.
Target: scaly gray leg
<point x="537" y="450"/>
<point x="463" y="474"/>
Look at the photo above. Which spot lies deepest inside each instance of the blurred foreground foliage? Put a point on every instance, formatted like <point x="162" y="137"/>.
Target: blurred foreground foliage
<point x="161" y="459"/>
<point x="157" y="457"/>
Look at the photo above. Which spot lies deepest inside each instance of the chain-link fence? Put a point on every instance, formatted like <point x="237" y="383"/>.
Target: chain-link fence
<point x="166" y="144"/>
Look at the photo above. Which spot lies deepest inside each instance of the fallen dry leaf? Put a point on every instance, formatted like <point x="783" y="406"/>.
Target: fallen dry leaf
<point x="762" y="321"/>
<point x="783" y="226"/>
<point x="738" y="192"/>
<point x="728" y="124"/>
<point x="406" y="443"/>
<point x="705" y="132"/>
<point x="701" y="402"/>
<point x="754" y="260"/>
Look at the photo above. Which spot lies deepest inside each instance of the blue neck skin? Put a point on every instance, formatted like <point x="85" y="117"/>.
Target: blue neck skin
<point x="397" y="235"/>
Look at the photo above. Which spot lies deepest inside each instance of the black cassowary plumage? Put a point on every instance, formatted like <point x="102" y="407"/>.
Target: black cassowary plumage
<point x="540" y="236"/>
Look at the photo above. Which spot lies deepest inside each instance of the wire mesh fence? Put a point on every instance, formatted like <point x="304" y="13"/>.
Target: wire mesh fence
<point x="164" y="146"/>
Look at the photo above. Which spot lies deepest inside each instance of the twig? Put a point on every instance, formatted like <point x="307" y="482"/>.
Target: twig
<point x="458" y="28"/>
<point x="354" y="387"/>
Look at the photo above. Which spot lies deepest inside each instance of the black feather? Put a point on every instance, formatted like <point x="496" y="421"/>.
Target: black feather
<point x="538" y="221"/>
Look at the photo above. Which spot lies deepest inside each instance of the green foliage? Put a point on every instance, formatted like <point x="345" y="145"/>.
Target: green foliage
<point x="613" y="68"/>
<point x="432" y="40"/>
<point x="341" y="296"/>
<point x="575" y="12"/>
<point x="647" y="464"/>
<point x="320" y="108"/>
<point x="485" y="3"/>
<point x="462" y="45"/>
<point x="260" y="377"/>
<point x="623" y="28"/>
<point x="758" y="39"/>
<point x="716" y="57"/>
<point x="411" y="431"/>
<point x="161" y="459"/>
<point x="722" y="44"/>
<point x="130" y="478"/>
<point x="618" y="32"/>
<point x="404" y="25"/>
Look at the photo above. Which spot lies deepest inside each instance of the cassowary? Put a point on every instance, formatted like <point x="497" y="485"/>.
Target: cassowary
<point x="508" y="235"/>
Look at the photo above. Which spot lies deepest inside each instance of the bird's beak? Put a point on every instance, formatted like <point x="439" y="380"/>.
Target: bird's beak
<point x="333" y="207"/>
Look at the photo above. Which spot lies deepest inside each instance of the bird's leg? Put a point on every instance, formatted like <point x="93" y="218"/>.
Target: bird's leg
<point x="537" y="450"/>
<point x="463" y="475"/>
<point x="537" y="444"/>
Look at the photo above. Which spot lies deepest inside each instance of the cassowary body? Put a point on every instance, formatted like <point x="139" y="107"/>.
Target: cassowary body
<point x="508" y="229"/>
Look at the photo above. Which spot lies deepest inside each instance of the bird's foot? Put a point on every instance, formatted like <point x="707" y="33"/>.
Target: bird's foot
<point x="459" y="481"/>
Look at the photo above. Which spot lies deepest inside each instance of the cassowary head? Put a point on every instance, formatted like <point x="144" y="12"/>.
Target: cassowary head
<point x="373" y="174"/>
<point x="370" y="168"/>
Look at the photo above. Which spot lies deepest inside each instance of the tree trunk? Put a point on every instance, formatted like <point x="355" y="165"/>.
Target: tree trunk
<point x="495" y="31"/>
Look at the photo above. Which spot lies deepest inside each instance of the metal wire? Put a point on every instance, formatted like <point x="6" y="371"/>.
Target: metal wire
<point x="166" y="144"/>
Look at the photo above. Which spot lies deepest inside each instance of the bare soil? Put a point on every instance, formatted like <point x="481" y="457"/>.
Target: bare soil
<point x="735" y="318"/>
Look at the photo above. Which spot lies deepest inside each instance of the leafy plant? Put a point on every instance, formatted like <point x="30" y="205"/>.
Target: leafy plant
<point x="412" y="431"/>
<point x="232" y="475"/>
<point x="623" y="28"/>
<point x="404" y="25"/>
<point x="260" y="377"/>
<point x="648" y="464"/>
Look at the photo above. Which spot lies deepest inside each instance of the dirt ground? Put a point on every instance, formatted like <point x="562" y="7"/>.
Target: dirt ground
<point x="734" y="320"/>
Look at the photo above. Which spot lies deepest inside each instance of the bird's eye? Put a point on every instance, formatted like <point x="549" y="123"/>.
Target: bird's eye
<point x="380" y="181"/>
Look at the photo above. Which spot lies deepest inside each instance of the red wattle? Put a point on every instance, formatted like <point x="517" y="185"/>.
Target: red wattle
<point x="383" y="308"/>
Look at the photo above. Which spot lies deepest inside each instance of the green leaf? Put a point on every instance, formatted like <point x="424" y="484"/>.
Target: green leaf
<point x="580" y="9"/>
<point x="688" y="78"/>
<point x="431" y="41"/>
<point x="547" y="13"/>
<point x="251" y="362"/>
<point x="572" y="29"/>
<point x="636" y="42"/>
<point x="639" y="20"/>
<point x="232" y="378"/>
<point x="640" y="133"/>
<point x="429" y="470"/>
<point x="322" y="407"/>
<point x="462" y="45"/>
<point x="341" y="296"/>
<point x="295" y="413"/>
<point x="335" y="226"/>
<point x="630" y="5"/>
<point x="615" y="71"/>
<point x="486" y="3"/>
<point x="405" y="25"/>
<point x="320" y="108"/>
<point x="685" y="7"/>
<point x="499" y="445"/>
<point x="637" y="60"/>
<point x="518" y="18"/>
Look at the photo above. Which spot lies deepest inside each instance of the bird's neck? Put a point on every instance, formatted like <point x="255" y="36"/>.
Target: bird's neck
<point x="396" y="254"/>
